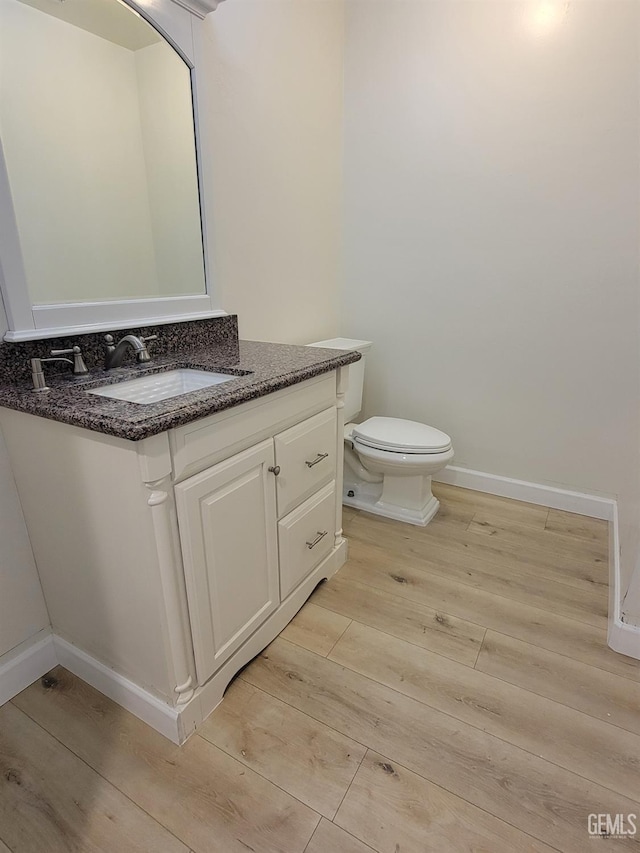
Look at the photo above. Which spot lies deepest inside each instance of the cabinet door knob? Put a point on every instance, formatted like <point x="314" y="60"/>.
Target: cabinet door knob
<point x="275" y="470"/>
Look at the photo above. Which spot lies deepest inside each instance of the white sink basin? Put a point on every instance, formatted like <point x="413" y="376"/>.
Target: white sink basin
<point x="161" y="386"/>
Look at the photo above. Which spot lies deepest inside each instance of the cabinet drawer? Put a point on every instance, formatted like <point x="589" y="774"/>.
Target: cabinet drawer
<point x="306" y="454"/>
<point x="202" y="443"/>
<point x="305" y="537"/>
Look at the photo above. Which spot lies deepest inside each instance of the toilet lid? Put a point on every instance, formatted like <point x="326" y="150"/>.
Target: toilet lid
<point x="401" y="436"/>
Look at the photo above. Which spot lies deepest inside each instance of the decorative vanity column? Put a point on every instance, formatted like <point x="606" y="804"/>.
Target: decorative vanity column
<point x="155" y="467"/>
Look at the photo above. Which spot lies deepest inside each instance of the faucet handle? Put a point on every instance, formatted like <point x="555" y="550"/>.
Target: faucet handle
<point x="79" y="367"/>
<point x="143" y="356"/>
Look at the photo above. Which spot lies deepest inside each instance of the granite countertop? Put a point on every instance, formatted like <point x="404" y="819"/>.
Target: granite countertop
<point x="260" y="368"/>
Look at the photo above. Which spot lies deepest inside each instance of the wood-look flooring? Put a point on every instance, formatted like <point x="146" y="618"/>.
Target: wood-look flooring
<point x="449" y="690"/>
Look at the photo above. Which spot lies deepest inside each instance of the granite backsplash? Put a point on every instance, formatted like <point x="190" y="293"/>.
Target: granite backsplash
<point x="219" y="333"/>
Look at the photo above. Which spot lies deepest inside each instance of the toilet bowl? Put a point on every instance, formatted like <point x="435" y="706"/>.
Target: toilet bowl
<point x="402" y="456"/>
<point x="388" y="462"/>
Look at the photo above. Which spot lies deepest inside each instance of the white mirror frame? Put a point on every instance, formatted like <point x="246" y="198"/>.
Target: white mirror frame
<point x="179" y="22"/>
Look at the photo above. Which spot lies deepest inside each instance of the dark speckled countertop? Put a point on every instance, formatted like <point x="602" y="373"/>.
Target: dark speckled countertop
<point x="260" y="368"/>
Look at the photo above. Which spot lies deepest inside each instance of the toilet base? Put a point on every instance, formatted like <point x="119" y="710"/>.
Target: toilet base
<point x="367" y="497"/>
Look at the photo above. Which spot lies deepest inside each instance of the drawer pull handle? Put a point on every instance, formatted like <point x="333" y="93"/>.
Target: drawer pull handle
<point x="275" y="470"/>
<point x="321" y="535"/>
<point x="315" y="461"/>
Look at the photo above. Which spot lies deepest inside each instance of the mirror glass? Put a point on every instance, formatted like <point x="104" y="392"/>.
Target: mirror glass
<point x="96" y="121"/>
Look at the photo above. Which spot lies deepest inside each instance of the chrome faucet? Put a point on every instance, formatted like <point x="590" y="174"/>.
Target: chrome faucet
<point x="114" y="353"/>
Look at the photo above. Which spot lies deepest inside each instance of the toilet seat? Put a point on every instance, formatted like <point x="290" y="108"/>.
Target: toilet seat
<point x="395" y="435"/>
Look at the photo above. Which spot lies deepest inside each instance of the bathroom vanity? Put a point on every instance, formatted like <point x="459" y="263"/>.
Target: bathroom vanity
<point x="175" y="540"/>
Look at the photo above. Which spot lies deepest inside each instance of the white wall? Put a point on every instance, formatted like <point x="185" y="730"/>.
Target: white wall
<point x="491" y="233"/>
<point x="273" y="116"/>
<point x="22" y="608"/>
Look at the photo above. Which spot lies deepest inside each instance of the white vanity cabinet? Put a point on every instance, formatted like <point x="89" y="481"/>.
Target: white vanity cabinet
<point x="237" y="516"/>
<point x="169" y="562"/>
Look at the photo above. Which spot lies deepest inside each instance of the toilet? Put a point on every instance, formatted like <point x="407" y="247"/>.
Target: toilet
<point x="388" y="462"/>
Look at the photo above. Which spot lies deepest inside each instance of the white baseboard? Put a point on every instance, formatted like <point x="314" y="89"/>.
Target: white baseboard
<point x="32" y="659"/>
<point x="621" y="637"/>
<point x="25" y="664"/>
<point x="624" y="638"/>
<point x="144" y="705"/>
<point x="521" y="490"/>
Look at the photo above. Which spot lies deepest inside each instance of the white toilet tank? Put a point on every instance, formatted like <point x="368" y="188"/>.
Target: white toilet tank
<point x="353" y="399"/>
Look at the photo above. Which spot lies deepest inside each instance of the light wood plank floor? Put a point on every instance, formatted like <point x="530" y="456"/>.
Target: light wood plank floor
<point x="449" y="690"/>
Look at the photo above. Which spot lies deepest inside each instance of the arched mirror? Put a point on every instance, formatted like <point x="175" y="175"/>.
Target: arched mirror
<point x="100" y="205"/>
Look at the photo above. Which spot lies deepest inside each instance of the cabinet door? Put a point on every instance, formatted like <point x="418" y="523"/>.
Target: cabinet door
<point x="227" y="518"/>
